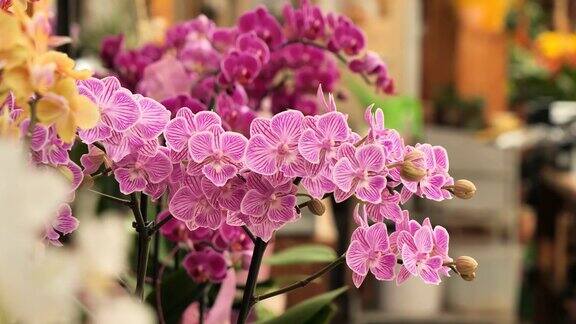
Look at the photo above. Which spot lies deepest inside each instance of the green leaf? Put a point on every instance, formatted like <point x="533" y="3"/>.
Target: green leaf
<point x="178" y="291"/>
<point x="315" y="310"/>
<point x="308" y="253"/>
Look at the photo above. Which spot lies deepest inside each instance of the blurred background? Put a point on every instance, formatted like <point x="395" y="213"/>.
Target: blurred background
<point x="493" y="81"/>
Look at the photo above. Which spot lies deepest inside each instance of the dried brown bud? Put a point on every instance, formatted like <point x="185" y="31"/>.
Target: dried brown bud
<point x="466" y="265"/>
<point x="316" y="207"/>
<point x="88" y="181"/>
<point x="411" y="172"/>
<point x="469" y="277"/>
<point x="464" y="189"/>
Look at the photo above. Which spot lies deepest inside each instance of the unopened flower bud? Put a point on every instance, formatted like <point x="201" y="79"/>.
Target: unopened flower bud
<point x="464" y="189"/>
<point x="466" y="265"/>
<point x="469" y="277"/>
<point x="414" y="155"/>
<point x="316" y="207"/>
<point x="411" y="172"/>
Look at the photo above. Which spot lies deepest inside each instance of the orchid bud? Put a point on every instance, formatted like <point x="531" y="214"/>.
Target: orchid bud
<point x="466" y="265"/>
<point x="411" y="172"/>
<point x="316" y="207"/>
<point x="414" y="155"/>
<point x="464" y="189"/>
<point x="469" y="277"/>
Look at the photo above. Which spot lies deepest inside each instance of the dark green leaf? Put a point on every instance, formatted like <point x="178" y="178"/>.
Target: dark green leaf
<point x="314" y="310"/>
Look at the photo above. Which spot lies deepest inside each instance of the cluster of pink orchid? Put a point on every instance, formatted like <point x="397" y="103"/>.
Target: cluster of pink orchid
<point x="217" y="181"/>
<point x="260" y="64"/>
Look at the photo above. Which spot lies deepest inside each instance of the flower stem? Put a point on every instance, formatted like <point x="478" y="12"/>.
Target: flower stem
<point x="251" y="281"/>
<point x="301" y="283"/>
<point x="112" y="198"/>
<point x="139" y="208"/>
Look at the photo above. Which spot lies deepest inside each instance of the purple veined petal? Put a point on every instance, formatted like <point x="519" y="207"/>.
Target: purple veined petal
<point x="177" y="157"/>
<point x="260" y="156"/>
<point x="158" y="167"/>
<point x="265" y="229"/>
<point x="233" y="219"/>
<point x="149" y="148"/>
<point x="51" y="235"/>
<point x="93" y="85"/>
<point x="92" y="160"/>
<point x="65" y="223"/>
<point x="374" y="212"/>
<point x="254" y="203"/>
<point x="177" y="134"/>
<point x="317" y="186"/>
<point x="233" y="145"/>
<point x="441" y="158"/>
<point x="357" y="258"/>
<point x="76" y="174"/>
<point x="287" y="124"/>
<point x="435" y="262"/>
<point x="181" y="205"/>
<point x="404" y="238"/>
<point x="347" y="150"/>
<point x="128" y="181"/>
<point x="262" y="126"/>
<point x="155" y="190"/>
<point x="409" y="259"/>
<point x="56" y="154"/>
<point x="123" y="111"/>
<point x="357" y="279"/>
<point x="188" y="116"/>
<point x="203" y="120"/>
<point x="424" y="239"/>
<point x="219" y="174"/>
<point x="405" y="195"/>
<point x="384" y="268"/>
<point x="429" y="275"/>
<point x="334" y="126"/>
<point x="344" y="174"/>
<point x="201" y="146"/>
<point x="359" y="215"/>
<point x="117" y="152"/>
<point x="194" y="169"/>
<point x="98" y="133"/>
<point x="403" y="275"/>
<point x="283" y="209"/>
<point x="210" y="217"/>
<point x="293" y="165"/>
<point x="341" y="195"/>
<point x="441" y="240"/>
<point x="309" y="146"/>
<point x="39" y="135"/>
<point x="153" y="119"/>
<point x="370" y="190"/>
<point x="260" y="183"/>
<point x="110" y="85"/>
<point x="377" y="237"/>
<point x="371" y="157"/>
<point x="391" y="211"/>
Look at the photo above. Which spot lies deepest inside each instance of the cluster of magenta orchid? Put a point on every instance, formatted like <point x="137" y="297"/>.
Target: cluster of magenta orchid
<point x="260" y="64"/>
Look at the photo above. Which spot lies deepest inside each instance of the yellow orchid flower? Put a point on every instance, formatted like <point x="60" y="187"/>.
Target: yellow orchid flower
<point x="64" y="107"/>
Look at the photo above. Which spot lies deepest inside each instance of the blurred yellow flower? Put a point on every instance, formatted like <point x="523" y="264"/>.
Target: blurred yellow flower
<point x="556" y="48"/>
<point x="67" y="109"/>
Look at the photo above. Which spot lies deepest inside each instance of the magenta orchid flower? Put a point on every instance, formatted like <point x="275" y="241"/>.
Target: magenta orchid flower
<point x="360" y="171"/>
<point x="369" y="251"/>
<point x="240" y="67"/>
<point x="388" y="208"/>
<point x="216" y="154"/>
<point x="186" y="123"/>
<point x="273" y="145"/>
<point x="190" y="205"/>
<point x="64" y="223"/>
<point x="268" y="200"/>
<point x="416" y="251"/>
<point x="135" y="171"/>
<point x="321" y="141"/>
<point x="205" y="265"/>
